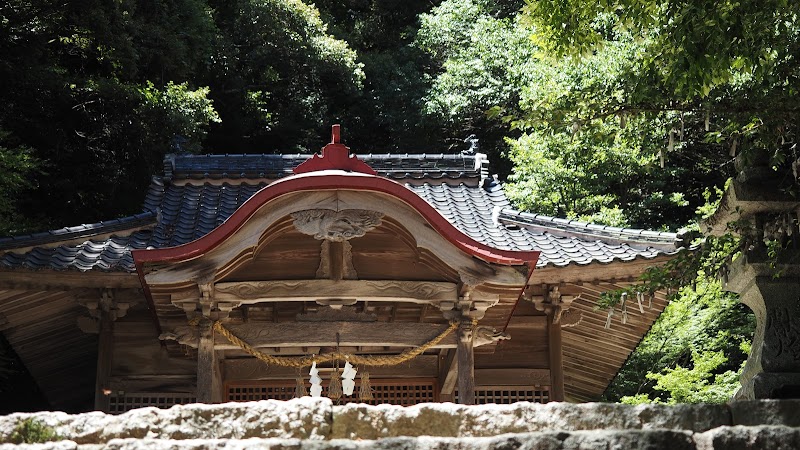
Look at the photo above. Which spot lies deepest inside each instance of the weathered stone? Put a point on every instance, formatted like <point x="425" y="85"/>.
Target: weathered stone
<point x="447" y="419"/>
<point x="58" y="445"/>
<point x="304" y="418"/>
<point x="749" y="438"/>
<point x="317" y="425"/>
<point x="612" y="439"/>
<point x="766" y="412"/>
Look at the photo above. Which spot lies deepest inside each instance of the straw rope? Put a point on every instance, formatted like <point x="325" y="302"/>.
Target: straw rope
<point x="305" y="361"/>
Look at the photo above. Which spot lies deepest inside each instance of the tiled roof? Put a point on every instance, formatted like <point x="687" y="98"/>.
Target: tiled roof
<point x="185" y="211"/>
<point x="81" y="231"/>
<point x="262" y="166"/>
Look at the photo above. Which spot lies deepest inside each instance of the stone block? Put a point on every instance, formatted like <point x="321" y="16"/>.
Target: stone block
<point x="304" y="418"/>
<point x="749" y="438"/>
<point x="766" y="412"/>
<point x="447" y="419"/>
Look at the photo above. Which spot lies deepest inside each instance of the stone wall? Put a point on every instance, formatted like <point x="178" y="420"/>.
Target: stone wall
<point x="316" y="424"/>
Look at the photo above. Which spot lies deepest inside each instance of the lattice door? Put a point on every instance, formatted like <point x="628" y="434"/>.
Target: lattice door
<point x="128" y="401"/>
<point x="504" y="395"/>
<point x="405" y="392"/>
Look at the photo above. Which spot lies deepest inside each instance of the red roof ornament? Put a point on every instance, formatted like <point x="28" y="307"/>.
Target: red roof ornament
<point x="335" y="156"/>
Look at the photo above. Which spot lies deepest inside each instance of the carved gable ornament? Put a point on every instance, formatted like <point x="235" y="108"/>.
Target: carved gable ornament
<point x="336" y="226"/>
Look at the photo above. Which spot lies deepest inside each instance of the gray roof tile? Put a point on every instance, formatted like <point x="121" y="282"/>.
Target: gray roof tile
<point x="181" y="212"/>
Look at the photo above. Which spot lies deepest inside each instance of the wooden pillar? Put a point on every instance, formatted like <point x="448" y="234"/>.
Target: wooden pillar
<point x="209" y="383"/>
<point x="556" y="358"/>
<point x="466" y="363"/>
<point x="105" y="353"/>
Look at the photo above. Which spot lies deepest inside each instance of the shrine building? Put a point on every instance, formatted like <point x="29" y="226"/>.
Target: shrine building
<point x="243" y="270"/>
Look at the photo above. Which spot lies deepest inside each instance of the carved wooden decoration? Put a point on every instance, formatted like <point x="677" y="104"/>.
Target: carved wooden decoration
<point x="556" y="303"/>
<point x="336" y="226"/>
<point x="571" y="318"/>
<point x="344" y="314"/>
<point x="185" y="335"/>
<point x="484" y="335"/>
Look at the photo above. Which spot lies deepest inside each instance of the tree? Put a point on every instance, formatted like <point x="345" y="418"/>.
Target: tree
<point x="96" y="93"/>
<point x="692" y="354"/>
<point x="569" y="159"/>
<point x="277" y="78"/>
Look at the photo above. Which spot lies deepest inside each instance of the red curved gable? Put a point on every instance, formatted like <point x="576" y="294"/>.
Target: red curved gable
<point x="335" y="181"/>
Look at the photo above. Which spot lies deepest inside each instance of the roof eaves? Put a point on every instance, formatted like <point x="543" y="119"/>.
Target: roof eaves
<point x="635" y="238"/>
<point x="80" y="232"/>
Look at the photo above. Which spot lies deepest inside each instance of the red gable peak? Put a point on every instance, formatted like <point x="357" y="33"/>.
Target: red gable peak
<point x="335" y="156"/>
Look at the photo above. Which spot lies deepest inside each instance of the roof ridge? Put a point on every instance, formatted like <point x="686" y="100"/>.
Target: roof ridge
<point x="78" y="231"/>
<point x="632" y="236"/>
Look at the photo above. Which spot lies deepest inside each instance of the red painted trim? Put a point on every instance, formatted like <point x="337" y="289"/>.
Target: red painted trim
<point x="335" y="156"/>
<point x="333" y="181"/>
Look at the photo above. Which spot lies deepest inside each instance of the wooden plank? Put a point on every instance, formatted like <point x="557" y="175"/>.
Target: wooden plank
<point x="512" y="377"/>
<point x="51" y="279"/>
<point x="312" y="290"/>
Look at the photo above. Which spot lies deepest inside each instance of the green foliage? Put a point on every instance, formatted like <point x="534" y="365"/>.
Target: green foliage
<point x="692" y="354"/>
<point x="33" y="431"/>
<point x="95" y="93"/>
<point x="16" y="165"/>
<point x="276" y="76"/>
<point x="387" y="114"/>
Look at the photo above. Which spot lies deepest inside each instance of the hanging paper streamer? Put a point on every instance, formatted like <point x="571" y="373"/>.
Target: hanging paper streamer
<point x="624" y="308"/>
<point x="316" y="381"/>
<point x="335" y="387"/>
<point x="348" y="377"/>
<point x="608" y="320"/>
<point x="365" y="391"/>
<point x="639" y="300"/>
<point x="650" y="301"/>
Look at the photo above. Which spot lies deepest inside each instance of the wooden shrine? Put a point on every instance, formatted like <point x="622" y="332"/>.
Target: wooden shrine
<point x="243" y="268"/>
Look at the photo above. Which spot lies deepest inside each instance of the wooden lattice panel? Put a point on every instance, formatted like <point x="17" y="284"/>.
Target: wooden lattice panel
<point x="394" y="392"/>
<point x="504" y="395"/>
<point x="122" y="403"/>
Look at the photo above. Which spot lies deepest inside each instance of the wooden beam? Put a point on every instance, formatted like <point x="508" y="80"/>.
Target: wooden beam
<point x="322" y="334"/>
<point x="47" y="279"/>
<point x="556" y="359"/>
<point x="312" y="290"/>
<point x="466" y="363"/>
<point x="448" y="371"/>
<point x="208" y="380"/>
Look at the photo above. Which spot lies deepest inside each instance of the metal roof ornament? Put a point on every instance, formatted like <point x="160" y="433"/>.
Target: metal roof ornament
<point x="335" y="156"/>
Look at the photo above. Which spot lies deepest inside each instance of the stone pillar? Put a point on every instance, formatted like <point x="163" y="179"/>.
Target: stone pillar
<point x="773" y="368"/>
